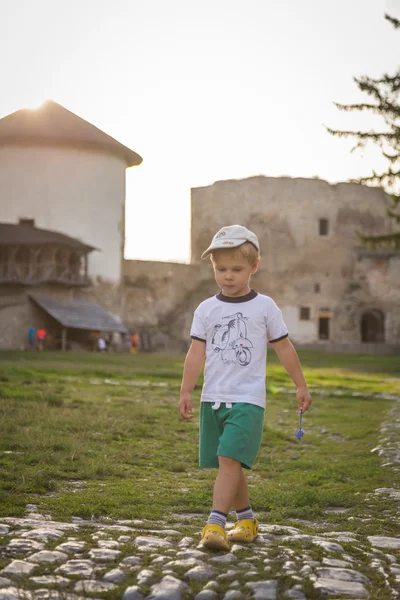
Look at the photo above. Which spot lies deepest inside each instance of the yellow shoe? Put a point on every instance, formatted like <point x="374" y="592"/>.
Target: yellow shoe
<point x="244" y="531"/>
<point x="214" y="537"/>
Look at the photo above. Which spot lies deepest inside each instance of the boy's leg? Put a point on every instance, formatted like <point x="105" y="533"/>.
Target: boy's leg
<point x="225" y="490"/>
<point x="241" y="503"/>
<point x="227" y="484"/>
<point x="246" y="528"/>
<point x="242" y="499"/>
<point x="230" y="488"/>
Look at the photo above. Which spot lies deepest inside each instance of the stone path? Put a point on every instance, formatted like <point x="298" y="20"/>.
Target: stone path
<point x="128" y="560"/>
<point x="69" y="561"/>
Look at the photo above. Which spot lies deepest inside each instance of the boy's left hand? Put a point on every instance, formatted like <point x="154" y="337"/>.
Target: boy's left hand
<point x="303" y="399"/>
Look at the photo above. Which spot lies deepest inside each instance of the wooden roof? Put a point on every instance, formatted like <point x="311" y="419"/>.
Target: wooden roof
<point x="79" y="314"/>
<point x="27" y="234"/>
<point x="53" y="124"/>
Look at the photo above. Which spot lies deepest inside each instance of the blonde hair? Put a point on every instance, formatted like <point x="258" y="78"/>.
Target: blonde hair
<point x="247" y="250"/>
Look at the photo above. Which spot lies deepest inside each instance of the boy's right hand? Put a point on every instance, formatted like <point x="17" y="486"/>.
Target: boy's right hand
<point x="303" y="398"/>
<point x="185" y="405"/>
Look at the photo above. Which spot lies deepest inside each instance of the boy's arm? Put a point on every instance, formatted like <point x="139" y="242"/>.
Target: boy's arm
<point x="289" y="359"/>
<point x="193" y="364"/>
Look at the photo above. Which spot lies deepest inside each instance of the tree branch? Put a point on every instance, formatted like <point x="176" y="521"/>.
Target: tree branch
<point x="393" y="21"/>
<point x="388" y="240"/>
<point x="385" y="102"/>
<point x="364" y="135"/>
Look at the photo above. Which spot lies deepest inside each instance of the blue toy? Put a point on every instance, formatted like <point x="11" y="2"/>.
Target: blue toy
<point x="300" y="432"/>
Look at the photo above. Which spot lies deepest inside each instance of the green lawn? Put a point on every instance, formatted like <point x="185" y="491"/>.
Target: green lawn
<point x="100" y="435"/>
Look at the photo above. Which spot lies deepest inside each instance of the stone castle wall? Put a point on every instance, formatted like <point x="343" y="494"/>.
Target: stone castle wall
<point x="285" y="213"/>
<point x="299" y="267"/>
<point x="160" y="297"/>
<point x="374" y="285"/>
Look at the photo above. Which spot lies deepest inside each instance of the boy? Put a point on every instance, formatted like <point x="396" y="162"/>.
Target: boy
<point x="230" y="332"/>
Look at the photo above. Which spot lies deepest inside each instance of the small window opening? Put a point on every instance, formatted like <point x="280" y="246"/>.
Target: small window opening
<point x="324" y="323"/>
<point x="305" y="313"/>
<point x="323" y="328"/>
<point x="317" y="288"/>
<point x="29" y="222"/>
<point x="323" y="227"/>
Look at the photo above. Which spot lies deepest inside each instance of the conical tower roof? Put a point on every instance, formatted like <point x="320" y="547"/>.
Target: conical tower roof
<point x="52" y="124"/>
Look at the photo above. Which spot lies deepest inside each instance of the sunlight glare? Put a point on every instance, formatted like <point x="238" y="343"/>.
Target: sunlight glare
<point x="35" y="103"/>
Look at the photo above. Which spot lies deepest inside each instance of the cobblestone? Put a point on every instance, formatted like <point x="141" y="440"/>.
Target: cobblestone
<point x="106" y="566"/>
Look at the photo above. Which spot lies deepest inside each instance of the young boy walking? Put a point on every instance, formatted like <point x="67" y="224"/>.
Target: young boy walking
<point x="230" y="332"/>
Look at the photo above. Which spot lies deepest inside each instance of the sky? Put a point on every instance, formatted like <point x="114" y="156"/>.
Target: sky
<point x="203" y="90"/>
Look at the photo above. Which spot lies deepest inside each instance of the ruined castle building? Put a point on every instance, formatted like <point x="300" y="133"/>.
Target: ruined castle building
<point x="330" y="291"/>
<point x="69" y="177"/>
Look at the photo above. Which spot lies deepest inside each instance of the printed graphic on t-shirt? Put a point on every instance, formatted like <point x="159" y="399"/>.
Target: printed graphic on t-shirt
<point x="230" y="339"/>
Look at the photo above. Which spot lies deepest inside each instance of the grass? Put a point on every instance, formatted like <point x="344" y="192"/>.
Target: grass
<point x="99" y="436"/>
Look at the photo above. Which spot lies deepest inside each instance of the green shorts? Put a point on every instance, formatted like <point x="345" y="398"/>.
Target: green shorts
<point x="233" y="432"/>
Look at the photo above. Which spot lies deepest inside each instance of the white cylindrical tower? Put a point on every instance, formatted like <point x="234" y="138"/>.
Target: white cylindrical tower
<point x="69" y="176"/>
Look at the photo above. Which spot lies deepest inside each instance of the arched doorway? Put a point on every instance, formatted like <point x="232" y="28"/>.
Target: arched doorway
<point x="373" y="326"/>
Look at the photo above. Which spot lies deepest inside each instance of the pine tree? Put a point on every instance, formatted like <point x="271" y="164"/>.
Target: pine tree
<point x="385" y="102"/>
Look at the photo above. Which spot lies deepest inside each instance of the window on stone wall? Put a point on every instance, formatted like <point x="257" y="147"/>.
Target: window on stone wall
<point x="323" y="227"/>
<point x="324" y="323"/>
<point x="323" y="328"/>
<point x="317" y="288"/>
<point x="305" y="313"/>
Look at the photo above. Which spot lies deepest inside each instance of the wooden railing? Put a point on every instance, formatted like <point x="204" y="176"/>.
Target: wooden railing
<point x="28" y="273"/>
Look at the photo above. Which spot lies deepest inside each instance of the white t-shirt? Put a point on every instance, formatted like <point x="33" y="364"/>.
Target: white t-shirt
<point x="236" y="331"/>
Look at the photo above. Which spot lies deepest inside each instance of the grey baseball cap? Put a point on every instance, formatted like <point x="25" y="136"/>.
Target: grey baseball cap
<point x="231" y="237"/>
